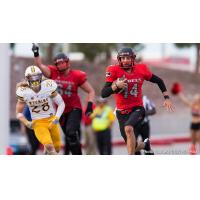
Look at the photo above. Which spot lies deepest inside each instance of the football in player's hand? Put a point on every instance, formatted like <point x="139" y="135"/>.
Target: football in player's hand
<point x="117" y="90"/>
<point x="115" y="82"/>
<point x="176" y="88"/>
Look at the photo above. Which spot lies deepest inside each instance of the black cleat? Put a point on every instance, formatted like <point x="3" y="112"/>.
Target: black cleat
<point x="147" y="147"/>
<point x="149" y="152"/>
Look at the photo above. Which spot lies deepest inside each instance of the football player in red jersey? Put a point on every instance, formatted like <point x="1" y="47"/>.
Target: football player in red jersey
<point x="68" y="81"/>
<point x="125" y="80"/>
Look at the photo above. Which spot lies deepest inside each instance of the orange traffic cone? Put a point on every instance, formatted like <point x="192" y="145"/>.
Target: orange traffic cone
<point x="9" y="151"/>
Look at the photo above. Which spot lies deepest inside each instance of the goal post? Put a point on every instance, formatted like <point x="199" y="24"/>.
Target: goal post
<point x="4" y="97"/>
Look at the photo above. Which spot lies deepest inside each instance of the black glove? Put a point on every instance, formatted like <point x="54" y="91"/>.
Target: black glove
<point x="89" y="109"/>
<point x="35" y="50"/>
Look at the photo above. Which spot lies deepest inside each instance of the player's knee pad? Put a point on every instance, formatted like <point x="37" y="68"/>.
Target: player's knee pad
<point x="73" y="138"/>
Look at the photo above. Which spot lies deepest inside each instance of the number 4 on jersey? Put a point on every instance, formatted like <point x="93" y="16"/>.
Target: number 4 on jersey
<point x="133" y="91"/>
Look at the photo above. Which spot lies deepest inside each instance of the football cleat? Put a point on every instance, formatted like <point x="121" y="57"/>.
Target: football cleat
<point x="147" y="147"/>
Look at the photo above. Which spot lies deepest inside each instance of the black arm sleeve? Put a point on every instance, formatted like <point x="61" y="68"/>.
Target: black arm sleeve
<point x="159" y="82"/>
<point x="107" y="90"/>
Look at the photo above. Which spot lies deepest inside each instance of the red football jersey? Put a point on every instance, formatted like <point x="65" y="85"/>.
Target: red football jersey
<point x="68" y="86"/>
<point x="132" y="95"/>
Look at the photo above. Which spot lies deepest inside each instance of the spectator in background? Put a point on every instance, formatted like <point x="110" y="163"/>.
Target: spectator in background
<point x="32" y="140"/>
<point x="194" y="105"/>
<point x="102" y="120"/>
<point x="143" y="129"/>
<point x="90" y="140"/>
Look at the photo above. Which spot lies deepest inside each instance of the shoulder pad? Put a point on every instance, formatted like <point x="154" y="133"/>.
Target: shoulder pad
<point x="78" y="72"/>
<point x="50" y="85"/>
<point x="112" y="67"/>
<point x="21" y="92"/>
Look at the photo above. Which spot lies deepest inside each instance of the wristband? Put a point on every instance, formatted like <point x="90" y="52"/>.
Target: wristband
<point x="166" y="97"/>
<point x="90" y="104"/>
<point x="36" y="54"/>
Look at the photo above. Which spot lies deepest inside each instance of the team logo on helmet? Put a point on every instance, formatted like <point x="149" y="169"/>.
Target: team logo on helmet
<point x="33" y="69"/>
<point x="60" y="58"/>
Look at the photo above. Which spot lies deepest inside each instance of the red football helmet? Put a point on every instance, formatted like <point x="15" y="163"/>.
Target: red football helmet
<point x="62" y="59"/>
<point x="126" y="52"/>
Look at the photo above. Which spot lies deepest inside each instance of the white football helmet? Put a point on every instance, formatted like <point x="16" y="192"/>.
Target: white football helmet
<point x="33" y="76"/>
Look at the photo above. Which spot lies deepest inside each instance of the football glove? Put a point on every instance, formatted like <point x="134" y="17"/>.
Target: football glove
<point x="89" y="109"/>
<point x="35" y="50"/>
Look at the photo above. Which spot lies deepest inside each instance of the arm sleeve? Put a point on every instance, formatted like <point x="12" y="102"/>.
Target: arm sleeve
<point x="61" y="105"/>
<point x="107" y="90"/>
<point x="159" y="82"/>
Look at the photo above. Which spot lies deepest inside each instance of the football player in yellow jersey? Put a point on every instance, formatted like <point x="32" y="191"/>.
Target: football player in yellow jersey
<point x="40" y="96"/>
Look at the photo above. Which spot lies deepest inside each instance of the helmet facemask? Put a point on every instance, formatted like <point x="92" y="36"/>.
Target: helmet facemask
<point x="126" y="52"/>
<point x="61" y="61"/>
<point x="62" y="65"/>
<point x="126" y="66"/>
<point x="34" y="81"/>
<point x="33" y="76"/>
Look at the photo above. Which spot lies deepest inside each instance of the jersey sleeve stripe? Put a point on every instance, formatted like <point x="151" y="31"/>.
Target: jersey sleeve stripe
<point x="54" y="91"/>
<point x="20" y="98"/>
